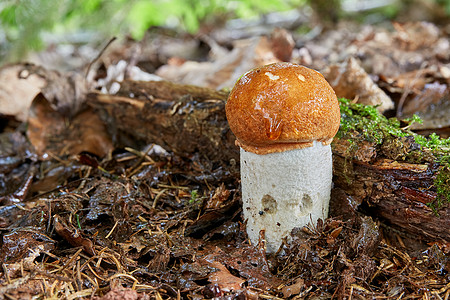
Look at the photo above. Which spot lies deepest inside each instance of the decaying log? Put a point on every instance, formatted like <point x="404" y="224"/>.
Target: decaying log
<point x="393" y="191"/>
<point x="184" y="119"/>
<point x="187" y="119"/>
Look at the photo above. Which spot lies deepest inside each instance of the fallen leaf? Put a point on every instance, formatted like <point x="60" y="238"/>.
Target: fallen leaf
<point x="217" y="200"/>
<point x="44" y="124"/>
<point x="432" y="105"/>
<point x="225" y="70"/>
<point x="16" y="96"/>
<point x="72" y="235"/>
<point x="349" y="80"/>
<point x="64" y="91"/>
<point x="293" y="289"/>
<point x="21" y="244"/>
<point x="282" y="44"/>
<point x="222" y="277"/>
<point x="52" y="134"/>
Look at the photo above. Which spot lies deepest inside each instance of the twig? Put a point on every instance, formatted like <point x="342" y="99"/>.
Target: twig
<point x="111" y="231"/>
<point x="98" y="56"/>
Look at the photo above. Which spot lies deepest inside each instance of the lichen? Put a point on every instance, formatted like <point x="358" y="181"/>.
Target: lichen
<point x="394" y="140"/>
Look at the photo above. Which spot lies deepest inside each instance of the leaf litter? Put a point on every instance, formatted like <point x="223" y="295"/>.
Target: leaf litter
<point x="82" y="217"/>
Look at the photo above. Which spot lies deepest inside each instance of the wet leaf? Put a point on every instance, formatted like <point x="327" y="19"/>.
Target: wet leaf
<point x="222" y="277"/>
<point x="73" y="235"/>
<point x="24" y="245"/>
<point x="294" y="288"/>
<point x="52" y="134"/>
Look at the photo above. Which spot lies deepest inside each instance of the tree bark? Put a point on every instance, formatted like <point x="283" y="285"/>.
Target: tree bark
<point x="184" y="119"/>
<point x="393" y="191"/>
<point x="190" y="120"/>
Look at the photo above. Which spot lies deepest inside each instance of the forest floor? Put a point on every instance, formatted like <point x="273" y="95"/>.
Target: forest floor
<point x="90" y="209"/>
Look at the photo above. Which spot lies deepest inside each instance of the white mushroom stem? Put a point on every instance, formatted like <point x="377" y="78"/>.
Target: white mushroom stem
<point x="284" y="190"/>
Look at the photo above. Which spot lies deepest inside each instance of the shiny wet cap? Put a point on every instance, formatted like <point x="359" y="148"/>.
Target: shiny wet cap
<point x="280" y="107"/>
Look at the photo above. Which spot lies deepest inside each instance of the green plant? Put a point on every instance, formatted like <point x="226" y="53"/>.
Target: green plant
<point x="24" y="22"/>
<point x="194" y="197"/>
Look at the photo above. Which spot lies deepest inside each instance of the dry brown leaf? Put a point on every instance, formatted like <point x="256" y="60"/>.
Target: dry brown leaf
<point x="17" y="91"/>
<point x="73" y="235"/>
<point x="429" y="96"/>
<point x="415" y="35"/>
<point x="349" y="80"/>
<point x="225" y="70"/>
<point x="410" y="82"/>
<point x="64" y="91"/>
<point x="87" y="133"/>
<point x="282" y="44"/>
<point x="217" y="200"/>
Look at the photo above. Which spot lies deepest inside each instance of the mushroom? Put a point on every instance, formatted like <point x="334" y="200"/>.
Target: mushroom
<point x="284" y="117"/>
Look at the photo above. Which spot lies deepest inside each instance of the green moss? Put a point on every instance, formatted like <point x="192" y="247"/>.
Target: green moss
<point x="442" y="183"/>
<point x="394" y="140"/>
<point x="368" y="122"/>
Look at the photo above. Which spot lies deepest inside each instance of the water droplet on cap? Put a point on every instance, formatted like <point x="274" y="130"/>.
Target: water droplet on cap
<point x="273" y="127"/>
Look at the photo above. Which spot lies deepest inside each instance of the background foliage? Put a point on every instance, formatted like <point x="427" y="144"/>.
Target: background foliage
<point x="29" y="24"/>
<point x="24" y="23"/>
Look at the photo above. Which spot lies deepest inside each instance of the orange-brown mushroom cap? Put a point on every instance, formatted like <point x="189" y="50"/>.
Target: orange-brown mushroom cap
<point x="280" y="107"/>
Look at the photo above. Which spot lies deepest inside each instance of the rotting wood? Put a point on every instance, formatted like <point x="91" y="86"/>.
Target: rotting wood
<point x="395" y="192"/>
<point x="184" y="119"/>
<point x="191" y="120"/>
<point x="168" y="90"/>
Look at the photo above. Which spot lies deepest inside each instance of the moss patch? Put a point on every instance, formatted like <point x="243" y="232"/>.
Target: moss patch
<point x="442" y="183"/>
<point x="393" y="139"/>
